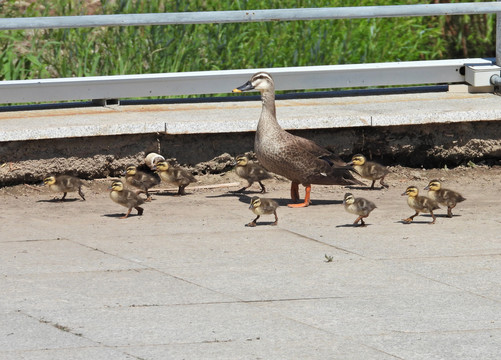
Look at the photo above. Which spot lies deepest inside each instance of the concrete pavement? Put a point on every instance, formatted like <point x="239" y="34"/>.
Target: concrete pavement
<point x="187" y="280"/>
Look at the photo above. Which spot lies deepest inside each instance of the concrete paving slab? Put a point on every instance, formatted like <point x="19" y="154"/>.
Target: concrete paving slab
<point x="22" y="332"/>
<point x="101" y="289"/>
<point x="77" y="353"/>
<point x="410" y="313"/>
<point x="55" y="256"/>
<point x="460" y="345"/>
<point x="479" y="275"/>
<point x="180" y="324"/>
<point x="245" y="267"/>
<point x="321" y="346"/>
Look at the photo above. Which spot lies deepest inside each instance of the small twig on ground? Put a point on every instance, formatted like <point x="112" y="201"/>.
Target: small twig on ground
<point x="32" y="187"/>
<point x="11" y="166"/>
<point x="213" y="186"/>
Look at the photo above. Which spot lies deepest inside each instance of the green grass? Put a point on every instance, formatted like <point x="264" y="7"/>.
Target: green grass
<point x="33" y="54"/>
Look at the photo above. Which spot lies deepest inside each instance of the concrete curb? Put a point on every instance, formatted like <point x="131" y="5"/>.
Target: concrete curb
<point x="242" y="116"/>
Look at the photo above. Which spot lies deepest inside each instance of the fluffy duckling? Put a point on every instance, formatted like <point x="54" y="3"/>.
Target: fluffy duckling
<point x="443" y="196"/>
<point x="251" y="172"/>
<point x="64" y="184"/>
<point x="419" y="204"/>
<point x="175" y="175"/>
<point x="358" y="206"/>
<point x="369" y="170"/>
<point x="141" y="180"/>
<point x="126" y="198"/>
<point x="262" y="206"/>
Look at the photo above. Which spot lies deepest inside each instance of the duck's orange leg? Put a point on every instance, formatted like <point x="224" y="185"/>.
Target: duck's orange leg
<point x="306" y="198"/>
<point x="294" y="191"/>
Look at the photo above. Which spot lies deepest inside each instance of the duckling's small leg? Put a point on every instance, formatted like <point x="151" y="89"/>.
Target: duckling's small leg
<point x="434" y="218"/>
<point x="383" y="184"/>
<point x="127" y="214"/>
<point x="372" y="185"/>
<point x="410" y="218"/>
<point x="449" y="210"/>
<point x="306" y="198"/>
<point x="241" y="190"/>
<point x="253" y="222"/>
<point x="294" y="191"/>
<point x="276" y="218"/>
<point x="181" y="191"/>
<point x="139" y="210"/>
<point x="64" y="195"/>
<point x="148" y="195"/>
<point x="360" y="218"/>
<point x="263" y="189"/>
<point x="81" y="193"/>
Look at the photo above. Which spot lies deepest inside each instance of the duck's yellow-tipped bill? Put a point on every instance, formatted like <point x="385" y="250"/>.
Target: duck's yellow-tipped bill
<point x="237" y="90"/>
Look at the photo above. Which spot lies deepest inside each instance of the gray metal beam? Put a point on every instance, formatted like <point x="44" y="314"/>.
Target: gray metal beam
<point x="212" y="82"/>
<point x="498" y="37"/>
<point x="250" y="16"/>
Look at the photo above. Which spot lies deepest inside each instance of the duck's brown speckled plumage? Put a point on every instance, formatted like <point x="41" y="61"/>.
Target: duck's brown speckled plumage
<point x="298" y="159"/>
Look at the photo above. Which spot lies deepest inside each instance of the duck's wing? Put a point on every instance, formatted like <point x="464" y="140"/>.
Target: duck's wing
<point x="149" y="180"/>
<point x="183" y="176"/>
<point x="365" y="205"/>
<point x="324" y="167"/>
<point x="131" y="198"/>
<point x="269" y="205"/>
<point x="318" y="151"/>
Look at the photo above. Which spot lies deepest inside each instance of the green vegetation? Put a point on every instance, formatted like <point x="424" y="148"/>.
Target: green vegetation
<point x="31" y="54"/>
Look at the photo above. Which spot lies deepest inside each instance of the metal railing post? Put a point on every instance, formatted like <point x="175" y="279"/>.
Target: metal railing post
<point x="496" y="79"/>
<point x="498" y="38"/>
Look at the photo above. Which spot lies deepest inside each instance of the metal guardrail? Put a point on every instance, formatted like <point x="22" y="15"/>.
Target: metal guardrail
<point x="223" y="81"/>
<point x="209" y="82"/>
<point x="207" y="17"/>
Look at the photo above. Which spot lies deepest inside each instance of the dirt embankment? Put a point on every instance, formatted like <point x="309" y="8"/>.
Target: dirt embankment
<point x="419" y="146"/>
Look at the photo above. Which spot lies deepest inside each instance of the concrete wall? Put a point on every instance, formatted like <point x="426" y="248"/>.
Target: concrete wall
<point x="429" y="145"/>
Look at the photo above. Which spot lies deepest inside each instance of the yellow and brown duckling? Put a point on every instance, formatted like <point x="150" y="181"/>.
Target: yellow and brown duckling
<point x="358" y="206"/>
<point x="175" y="175"/>
<point x="251" y="172"/>
<point x="141" y="180"/>
<point x="369" y="170"/>
<point x="443" y="196"/>
<point x="126" y="198"/>
<point x="262" y="206"/>
<point x="419" y="204"/>
<point x="64" y="184"/>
